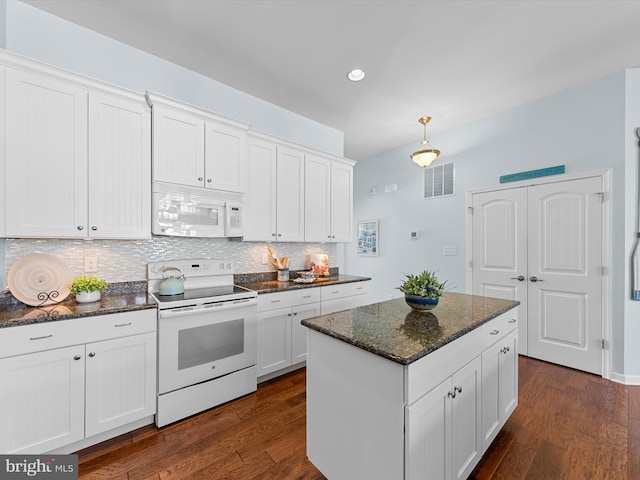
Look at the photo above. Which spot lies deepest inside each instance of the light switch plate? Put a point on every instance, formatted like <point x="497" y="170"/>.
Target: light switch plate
<point x="449" y="251"/>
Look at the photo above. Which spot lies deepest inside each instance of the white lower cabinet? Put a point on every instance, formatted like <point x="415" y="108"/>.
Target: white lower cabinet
<point x="499" y="377"/>
<point x="442" y="430"/>
<point x="42" y="400"/>
<point x="282" y="341"/>
<point x="120" y="382"/>
<point x="57" y="397"/>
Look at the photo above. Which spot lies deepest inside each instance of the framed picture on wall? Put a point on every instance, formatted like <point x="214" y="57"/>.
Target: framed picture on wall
<point x="368" y="238"/>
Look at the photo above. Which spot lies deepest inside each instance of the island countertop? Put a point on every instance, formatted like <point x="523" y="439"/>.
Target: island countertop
<point x="394" y="331"/>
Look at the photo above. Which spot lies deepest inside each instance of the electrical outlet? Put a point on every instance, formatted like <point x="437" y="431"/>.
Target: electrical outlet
<point x="90" y="264"/>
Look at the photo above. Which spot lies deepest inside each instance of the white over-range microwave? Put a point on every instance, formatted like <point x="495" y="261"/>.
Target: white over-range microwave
<point x="183" y="211"/>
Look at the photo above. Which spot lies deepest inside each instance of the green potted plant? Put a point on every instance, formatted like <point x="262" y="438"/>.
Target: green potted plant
<point x="87" y="288"/>
<point x="422" y="291"/>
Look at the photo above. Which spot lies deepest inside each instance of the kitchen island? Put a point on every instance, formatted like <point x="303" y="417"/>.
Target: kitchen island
<point x="393" y="393"/>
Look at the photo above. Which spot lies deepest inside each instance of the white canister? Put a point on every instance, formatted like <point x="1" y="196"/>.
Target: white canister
<point x="283" y="274"/>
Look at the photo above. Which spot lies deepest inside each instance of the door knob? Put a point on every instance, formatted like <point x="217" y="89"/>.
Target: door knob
<point x="535" y="279"/>
<point x="520" y="278"/>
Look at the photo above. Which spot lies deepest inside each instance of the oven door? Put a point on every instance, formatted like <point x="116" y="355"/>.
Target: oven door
<point x="196" y="344"/>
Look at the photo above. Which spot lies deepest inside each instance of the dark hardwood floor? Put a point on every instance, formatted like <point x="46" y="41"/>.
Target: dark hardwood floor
<point x="568" y="425"/>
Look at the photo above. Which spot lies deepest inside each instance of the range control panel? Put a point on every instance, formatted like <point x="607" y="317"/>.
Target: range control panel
<point x="201" y="267"/>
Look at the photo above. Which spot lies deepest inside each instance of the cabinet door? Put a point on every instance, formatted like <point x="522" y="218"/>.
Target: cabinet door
<point x="290" y="195"/>
<point x="299" y="347"/>
<point x="274" y="340"/>
<point x="260" y="200"/>
<point x="508" y="381"/>
<point x="42" y="400"/>
<point x="466" y="439"/>
<point x="121" y="382"/>
<point x="490" y="393"/>
<point x="317" y="203"/>
<point x="178" y="147"/>
<point x="428" y="435"/>
<point x="341" y="202"/>
<point x="119" y="168"/>
<point x="225" y="157"/>
<point x="46" y="157"/>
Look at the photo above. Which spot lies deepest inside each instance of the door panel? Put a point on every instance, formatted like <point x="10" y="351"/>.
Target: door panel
<point x="500" y="249"/>
<point x="565" y="256"/>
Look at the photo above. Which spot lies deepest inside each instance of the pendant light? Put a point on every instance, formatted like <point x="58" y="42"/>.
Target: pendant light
<point x="426" y="154"/>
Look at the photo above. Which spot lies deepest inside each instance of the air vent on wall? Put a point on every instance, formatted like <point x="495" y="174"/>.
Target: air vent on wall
<point x="439" y="181"/>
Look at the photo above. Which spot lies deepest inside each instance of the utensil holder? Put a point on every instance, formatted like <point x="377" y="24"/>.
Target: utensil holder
<point x="283" y="274"/>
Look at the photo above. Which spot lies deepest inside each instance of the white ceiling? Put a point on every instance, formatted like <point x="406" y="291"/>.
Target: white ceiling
<point x="454" y="60"/>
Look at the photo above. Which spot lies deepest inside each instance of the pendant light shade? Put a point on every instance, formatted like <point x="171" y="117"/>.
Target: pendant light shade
<point x="425" y="154"/>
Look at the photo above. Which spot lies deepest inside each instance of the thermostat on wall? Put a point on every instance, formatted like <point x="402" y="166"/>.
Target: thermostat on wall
<point x="413" y="234"/>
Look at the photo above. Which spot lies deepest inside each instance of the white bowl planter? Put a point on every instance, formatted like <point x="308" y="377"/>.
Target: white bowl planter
<point x="87" y="297"/>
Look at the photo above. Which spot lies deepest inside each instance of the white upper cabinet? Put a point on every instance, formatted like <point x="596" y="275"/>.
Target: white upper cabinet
<point x="197" y="148"/>
<point x="77" y="160"/>
<point x="46" y="157"/>
<point x="119" y="168"/>
<point x="275" y="192"/>
<point x="225" y="158"/>
<point x="178" y="147"/>
<point x="328" y="200"/>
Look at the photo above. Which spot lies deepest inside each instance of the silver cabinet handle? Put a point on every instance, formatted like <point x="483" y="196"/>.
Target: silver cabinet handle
<point x="459" y="389"/>
<point x="77" y="357"/>
<point x="535" y="279"/>
<point x="289" y="314"/>
<point x="80" y="227"/>
<point x="494" y="332"/>
<point x="40" y="338"/>
<point x="94" y="228"/>
<point x="92" y="354"/>
<point x="275" y="301"/>
<point x="452" y="394"/>
<point x="279" y="234"/>
<point x="513" y="320"/>
<point x="122" y="324"/>
<point x="200" y="179"/>
<point x="520" y="278"/>
<point x="209" y="180"/>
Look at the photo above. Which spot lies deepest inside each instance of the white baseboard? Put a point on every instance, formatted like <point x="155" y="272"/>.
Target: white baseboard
<point x="625" y="379"/>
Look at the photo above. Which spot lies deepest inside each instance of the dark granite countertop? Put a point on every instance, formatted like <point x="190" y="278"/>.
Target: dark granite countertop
<point x="118" y="298"/>
<point x="271" y="286"/>
<point x="394" y="331"/>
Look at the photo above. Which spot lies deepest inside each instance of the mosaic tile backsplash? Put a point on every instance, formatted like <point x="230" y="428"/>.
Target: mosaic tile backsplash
<point x="126" y="260"/>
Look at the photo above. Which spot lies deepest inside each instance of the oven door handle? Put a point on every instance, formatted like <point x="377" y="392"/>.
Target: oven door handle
<point x="207" y="308"/>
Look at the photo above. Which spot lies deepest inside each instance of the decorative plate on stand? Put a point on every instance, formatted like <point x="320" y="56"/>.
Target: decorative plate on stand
<point x="39" y="279"/>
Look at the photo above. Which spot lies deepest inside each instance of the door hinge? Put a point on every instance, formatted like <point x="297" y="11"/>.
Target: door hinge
<point x="603" y="344"/>
<point x="470" y="210"/>
<point x="601" y="195"/>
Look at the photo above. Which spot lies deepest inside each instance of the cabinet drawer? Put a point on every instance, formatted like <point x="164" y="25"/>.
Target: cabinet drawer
<point x="46" y="336"/>
<point x="497" y="328"/>
<point x="270" y="301"/>
<point x="331" y="292"/>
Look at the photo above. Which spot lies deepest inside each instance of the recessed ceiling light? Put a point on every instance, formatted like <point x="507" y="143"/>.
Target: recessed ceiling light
<point x="356" y="75"/>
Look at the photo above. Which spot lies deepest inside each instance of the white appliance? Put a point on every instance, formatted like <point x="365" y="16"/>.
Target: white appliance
<point x="207" y="338"/>
<point x="184" y="211"/>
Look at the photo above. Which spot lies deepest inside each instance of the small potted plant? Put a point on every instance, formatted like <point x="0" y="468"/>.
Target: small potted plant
<point x="422" y="291"/>
<point x="87" y="288"/>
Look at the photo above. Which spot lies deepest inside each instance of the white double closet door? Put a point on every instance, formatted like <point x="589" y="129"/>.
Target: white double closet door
<point x="543" y="245"/>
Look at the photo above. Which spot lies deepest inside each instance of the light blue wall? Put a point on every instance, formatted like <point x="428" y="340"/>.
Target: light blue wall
<point x="582" y="128"/>
<point x="39" y="35"/>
